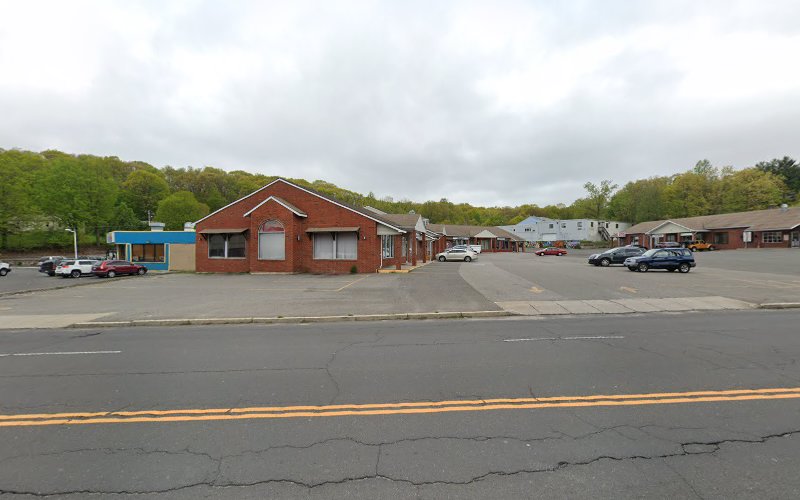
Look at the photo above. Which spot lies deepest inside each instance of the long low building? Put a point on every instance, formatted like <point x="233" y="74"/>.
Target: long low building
<point x="773" y="228"/>
<point x="284" y="227"/>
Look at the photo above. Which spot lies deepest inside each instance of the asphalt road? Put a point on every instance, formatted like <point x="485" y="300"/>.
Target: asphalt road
<point x="611" y="407"/>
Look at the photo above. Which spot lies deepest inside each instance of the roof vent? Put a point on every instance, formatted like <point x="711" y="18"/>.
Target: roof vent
<point x="156" y="226"/>
<point x="784" y="207"/>
<point x="412" y="212"/>
<point x="188" y="226"/>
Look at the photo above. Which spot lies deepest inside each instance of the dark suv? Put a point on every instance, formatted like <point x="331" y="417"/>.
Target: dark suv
<point x="615" y="255"/>
<point x="662" y="258"/>
<point x="49" y="266"/>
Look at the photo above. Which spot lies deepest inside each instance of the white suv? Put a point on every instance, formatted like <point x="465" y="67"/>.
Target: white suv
<point x="5" y="268"/>
<point x="75" y="268"/>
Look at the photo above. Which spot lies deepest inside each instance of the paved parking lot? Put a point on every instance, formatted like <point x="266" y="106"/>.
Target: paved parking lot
<point x="29" y="278"/>
<point x="514" y="282"/>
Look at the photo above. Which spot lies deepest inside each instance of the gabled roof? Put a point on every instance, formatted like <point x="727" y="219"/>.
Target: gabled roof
<point x="464" y="231"/>
<point x="280" y="201"/>
<point x="406" y="221"/>
<point x="361" y="211"/>
<point x="773" y="219"/>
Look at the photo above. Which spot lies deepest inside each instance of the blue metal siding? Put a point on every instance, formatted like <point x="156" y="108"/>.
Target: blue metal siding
<point x="144" y="237"/>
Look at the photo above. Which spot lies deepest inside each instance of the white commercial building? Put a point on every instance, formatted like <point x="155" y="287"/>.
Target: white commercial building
<point x="544" y="230"/>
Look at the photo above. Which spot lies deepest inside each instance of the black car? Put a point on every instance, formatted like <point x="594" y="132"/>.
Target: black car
<point x="662" y="258"/>
<point x="615" y="255"/>
<point x="49" y="266"/>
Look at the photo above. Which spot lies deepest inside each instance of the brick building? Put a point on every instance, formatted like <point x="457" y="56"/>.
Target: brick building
<point x="490" y="238"/>
<point x="283" y="227"/>
<point x="773" y="228"/>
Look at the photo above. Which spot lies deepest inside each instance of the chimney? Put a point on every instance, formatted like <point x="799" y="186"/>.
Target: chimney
<point x="188" y="226"/>
<point x="156" y="226"/>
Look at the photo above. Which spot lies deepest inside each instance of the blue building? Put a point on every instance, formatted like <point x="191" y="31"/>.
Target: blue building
<point x="158" y="250"/>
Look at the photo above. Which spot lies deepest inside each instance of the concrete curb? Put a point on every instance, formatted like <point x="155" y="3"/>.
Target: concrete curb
<point x="293" y="319"/>
<point x="780" y="305"/>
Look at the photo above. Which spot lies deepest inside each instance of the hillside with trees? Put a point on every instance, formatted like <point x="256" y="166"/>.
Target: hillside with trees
<point x="43" y="193"/>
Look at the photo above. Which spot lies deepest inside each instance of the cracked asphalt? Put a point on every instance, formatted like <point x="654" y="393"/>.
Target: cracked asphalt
<point x="718" y="449"/>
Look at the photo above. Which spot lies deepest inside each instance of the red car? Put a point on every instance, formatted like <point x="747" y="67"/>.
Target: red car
<point x="551" y="251"/>
<point x="111" y="268"/>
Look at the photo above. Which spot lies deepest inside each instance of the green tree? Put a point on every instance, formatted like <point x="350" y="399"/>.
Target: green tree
<point x="100" y="191"/>
<point x="751" y="189"/>
<point x="142" y="191"/>
<point x="787" y="169"/>
<point x="178" y="208"/>
<point x="16" y="201"/>
<point x="60" y="191"/>
<point x="124" y="219"/>
<point x="595" y="204"/>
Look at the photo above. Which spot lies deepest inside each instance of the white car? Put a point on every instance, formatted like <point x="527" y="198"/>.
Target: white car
<point x="5" y="268"/>
<point x="474" y="248"/>
<point x="75" y="268"/>
<point x="457" y="254"/>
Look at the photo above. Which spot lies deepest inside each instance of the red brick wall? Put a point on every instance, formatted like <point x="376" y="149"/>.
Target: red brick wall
<point x="299" y="253"/>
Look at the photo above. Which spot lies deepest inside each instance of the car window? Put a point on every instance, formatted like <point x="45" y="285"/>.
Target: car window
<point x="85" y="262"/>
<point x="661" y="254"/>
<point x="67" y="262"/>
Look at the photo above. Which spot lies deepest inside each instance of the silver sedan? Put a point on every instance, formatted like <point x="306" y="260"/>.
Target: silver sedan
<point x="457" y="254"/>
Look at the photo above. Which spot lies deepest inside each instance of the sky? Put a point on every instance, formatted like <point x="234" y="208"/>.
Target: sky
<point x="492" y="103"/>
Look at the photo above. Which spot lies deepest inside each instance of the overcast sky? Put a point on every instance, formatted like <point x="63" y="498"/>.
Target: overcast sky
<point x="492" y="103"/>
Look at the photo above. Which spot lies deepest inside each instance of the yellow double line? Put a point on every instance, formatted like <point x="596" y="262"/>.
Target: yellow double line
<point x="191" y="415"/>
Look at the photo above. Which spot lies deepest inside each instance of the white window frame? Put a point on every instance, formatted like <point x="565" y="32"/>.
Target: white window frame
<point x="334" y="247"/>
<point x="387" y="246"/>
<point x="282" y="235"/>
<point x="772" y="236"/>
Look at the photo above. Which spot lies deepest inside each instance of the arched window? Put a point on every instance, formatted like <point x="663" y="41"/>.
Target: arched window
<point x="271" y="241"/>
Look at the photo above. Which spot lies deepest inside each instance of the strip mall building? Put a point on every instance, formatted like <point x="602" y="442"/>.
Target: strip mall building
<point x="773" y="228"/>
<point x="284" y="227"/>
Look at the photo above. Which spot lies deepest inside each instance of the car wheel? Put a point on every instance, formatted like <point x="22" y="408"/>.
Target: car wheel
<point x="467" y="259"/>
<point x="3" y="272"/>
<point x="643" y="267"/>
<point x="141" y="271"/>
<point x="684" y="268"/>
<point x="111" y="274"/>
<point x="51" y="273"/>
<point x="693" y="249"/>
<point x="75" y="274"/>
<point x="442" y="258"/>
<point x="605" y="262"/>
<point x="711" y="249"/>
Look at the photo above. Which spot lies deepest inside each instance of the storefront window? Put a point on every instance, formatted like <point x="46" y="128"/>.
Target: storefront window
<point x="227" y="246"/>
<point x="336" y="246"/>
<point x="147" y="253"/>
<point x="271" y="241"/>
<point x="772" y="237"/>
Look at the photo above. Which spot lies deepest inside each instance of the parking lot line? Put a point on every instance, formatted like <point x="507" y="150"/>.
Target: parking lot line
<point x="352" y="283"/>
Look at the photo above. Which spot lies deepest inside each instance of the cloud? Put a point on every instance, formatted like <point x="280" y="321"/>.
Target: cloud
<point x="494" y="104"/>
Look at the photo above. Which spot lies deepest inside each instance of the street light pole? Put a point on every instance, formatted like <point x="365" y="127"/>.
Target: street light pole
<point x="74" y="240"/>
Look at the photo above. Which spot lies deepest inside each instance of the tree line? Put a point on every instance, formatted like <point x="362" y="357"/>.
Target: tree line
<point x="98" y="194"/>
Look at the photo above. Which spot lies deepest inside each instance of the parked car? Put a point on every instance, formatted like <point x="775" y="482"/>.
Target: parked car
<point x="474" y="248"/>
<point x="75" y="268"/>
<point x="5" y="268"/>
<point x="551" y="251"/>
<point x="49" y="266"/>
<point x="457" y="254"/>
<point x="699" y="246"/>
<point x="667" y="244"/>
<point x="614" y="256"/>
<point x="662" y="258"/>
<point x="111" y="268"/>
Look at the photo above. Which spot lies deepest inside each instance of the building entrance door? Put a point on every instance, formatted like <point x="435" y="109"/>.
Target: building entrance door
<point x="795" y="239"/>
